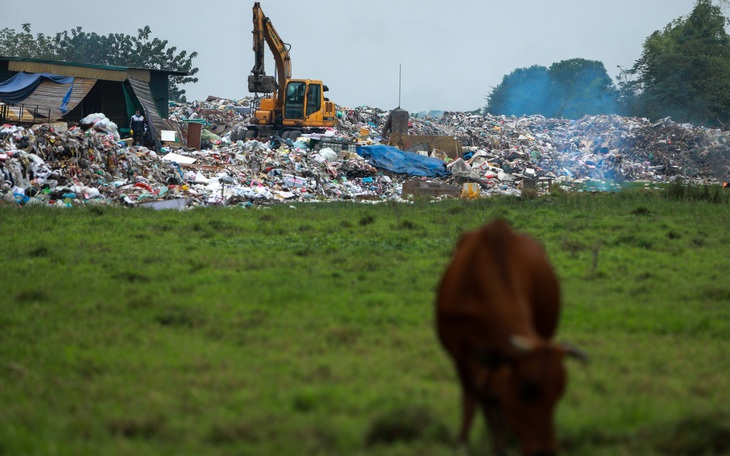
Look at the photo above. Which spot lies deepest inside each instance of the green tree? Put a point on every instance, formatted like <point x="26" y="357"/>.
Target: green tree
<point x="24" y="44"/>
<point x="628" y="92"/>
<point x="525" y="91"/>
<point x="684" y="70"/>
<point x="582" y="87"/>
<point x="570" y="88"/>
<point x="114" y="49"/>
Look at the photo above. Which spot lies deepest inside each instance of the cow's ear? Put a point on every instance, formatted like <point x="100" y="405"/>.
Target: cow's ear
<point x="575" y="352"/>
<point x="521" y="343"/>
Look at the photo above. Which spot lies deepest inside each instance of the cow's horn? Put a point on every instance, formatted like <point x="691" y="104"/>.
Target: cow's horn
<point x="521" y="343"/>
<point x="575" y="352"/>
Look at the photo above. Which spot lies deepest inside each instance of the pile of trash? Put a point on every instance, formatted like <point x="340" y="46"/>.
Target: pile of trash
<point x="62" y="165"/>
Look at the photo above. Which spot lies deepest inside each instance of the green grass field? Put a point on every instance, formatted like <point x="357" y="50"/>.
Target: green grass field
<point x="308" y="330"/>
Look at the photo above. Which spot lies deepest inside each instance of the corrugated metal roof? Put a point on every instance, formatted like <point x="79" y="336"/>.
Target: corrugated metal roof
<point x="139" y="74"/>
<point x="66" y="65"/>
<point x="142" y="91"/>
<point x="49" y="95"/>
<point x="107" y="74"/>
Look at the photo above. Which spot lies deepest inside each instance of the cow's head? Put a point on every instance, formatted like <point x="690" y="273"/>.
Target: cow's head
<point x="528" y="387"/>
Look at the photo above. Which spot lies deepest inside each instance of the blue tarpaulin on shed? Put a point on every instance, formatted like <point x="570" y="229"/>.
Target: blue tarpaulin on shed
<point x="395" y="160"/>
<point x="22" y="85"/>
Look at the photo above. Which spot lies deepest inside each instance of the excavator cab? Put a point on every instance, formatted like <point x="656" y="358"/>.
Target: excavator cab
<point x="305" y="104"/>
<point x="294" y="100"/>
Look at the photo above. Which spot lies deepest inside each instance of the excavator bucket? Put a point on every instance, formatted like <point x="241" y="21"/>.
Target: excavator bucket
<point x="262" y="84"/>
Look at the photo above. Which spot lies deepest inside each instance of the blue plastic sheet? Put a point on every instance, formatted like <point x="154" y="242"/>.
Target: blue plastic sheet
<point x="66" y="98"/>
<point x="395" y="160"/>
<point x="22" y="85"/>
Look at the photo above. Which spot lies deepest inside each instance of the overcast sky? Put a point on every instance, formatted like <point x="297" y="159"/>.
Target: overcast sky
<point x="450" y="53"/>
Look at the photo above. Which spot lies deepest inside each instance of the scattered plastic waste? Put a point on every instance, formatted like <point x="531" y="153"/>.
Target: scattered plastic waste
<point x="67" y="165"/>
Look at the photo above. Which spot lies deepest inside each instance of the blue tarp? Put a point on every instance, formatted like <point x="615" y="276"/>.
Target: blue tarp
<point x="22" y="85"/>
<point x="395" y="160"/>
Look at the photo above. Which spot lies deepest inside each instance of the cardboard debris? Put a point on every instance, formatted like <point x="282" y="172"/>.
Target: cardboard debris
<point x="177" y="203"/>
<point x="449" y="145"/>
<point x="418" y="187"/>
<point x="177" y="158"/>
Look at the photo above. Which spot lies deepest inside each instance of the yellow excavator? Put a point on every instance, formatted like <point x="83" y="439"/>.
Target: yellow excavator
<point x="295" y="106"/>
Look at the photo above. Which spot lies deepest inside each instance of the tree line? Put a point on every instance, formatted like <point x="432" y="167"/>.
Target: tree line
<point x="114" y="49"/>
<point x="683" y="73"/>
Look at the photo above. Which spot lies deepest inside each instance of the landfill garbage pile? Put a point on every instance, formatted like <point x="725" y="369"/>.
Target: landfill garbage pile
<point x="52" y="164"/>
<point x="599" y="147"/>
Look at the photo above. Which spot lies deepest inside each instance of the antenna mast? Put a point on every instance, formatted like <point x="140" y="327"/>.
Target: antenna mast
<point x="400" y="72"/>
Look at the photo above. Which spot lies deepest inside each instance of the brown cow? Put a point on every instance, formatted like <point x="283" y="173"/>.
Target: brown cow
<point x="497" y="309"/>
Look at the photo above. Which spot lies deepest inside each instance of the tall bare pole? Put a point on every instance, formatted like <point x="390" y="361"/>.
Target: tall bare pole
<point x="400" y="73"/>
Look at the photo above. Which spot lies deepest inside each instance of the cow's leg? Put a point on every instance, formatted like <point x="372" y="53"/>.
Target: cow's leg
<point x="468" y="402"/>
<point x="496" y="423"/>
<point x="468" y="407"/>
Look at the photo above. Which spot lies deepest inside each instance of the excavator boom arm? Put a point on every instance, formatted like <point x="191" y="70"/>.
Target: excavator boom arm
<point x="264" y="31"/>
